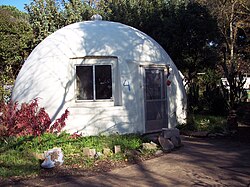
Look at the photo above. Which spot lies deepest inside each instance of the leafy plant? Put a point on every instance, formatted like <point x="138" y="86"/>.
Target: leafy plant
<point x="15" y="38"/>
<point x="29" y="119"/>
<point x="208" y="123"/>
<point x="59" y="123"/>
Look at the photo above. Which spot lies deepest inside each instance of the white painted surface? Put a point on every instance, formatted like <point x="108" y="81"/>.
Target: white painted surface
<point x="48" y="74"/>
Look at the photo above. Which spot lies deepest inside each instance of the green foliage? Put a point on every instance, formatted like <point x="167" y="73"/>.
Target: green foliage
<point x="76" y="11"/>
<point x="75" y="145"/>
<point x="210" y="77"/>
<point x="234" y="31"/>
<point x="45" y="18"/>
<point x="208" y="123"/>
<point x="15" y="38"/>
<point x="189" y="46"/>
<point x="214" y="95"/>
<point x="208" y="95"/>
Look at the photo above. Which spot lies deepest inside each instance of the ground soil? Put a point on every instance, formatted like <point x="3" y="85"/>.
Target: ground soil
<point x="223" y="161"/>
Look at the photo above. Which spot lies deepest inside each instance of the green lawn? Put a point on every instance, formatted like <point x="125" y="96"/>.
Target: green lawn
<point x="17" y="154"/>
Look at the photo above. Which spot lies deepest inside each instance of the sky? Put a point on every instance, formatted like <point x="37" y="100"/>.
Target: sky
<point x="19" y="4"/>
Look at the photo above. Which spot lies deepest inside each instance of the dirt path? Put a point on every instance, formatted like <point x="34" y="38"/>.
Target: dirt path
<point x="200" y="162"/>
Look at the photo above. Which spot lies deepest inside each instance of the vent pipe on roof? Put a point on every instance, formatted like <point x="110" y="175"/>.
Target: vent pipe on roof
<point x="96" y="17"/>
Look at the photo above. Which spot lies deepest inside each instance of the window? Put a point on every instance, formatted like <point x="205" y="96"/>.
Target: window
<point x="94" y="82"/>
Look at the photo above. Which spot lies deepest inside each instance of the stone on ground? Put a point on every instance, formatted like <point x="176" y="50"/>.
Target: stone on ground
<point x="166" y="144"/>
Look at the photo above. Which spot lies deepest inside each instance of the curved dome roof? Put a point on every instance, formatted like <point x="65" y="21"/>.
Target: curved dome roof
<point x="101" y="38"/>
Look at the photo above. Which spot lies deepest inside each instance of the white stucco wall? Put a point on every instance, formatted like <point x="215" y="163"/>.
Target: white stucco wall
<point x="48" y="74"/>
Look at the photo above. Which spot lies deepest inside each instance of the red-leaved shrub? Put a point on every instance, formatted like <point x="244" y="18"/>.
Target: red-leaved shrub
<point x="29" y="119"/>
<point x="59" y="123"/>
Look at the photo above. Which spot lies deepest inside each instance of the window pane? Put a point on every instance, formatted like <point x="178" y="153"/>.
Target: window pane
<point x="84" y="76"/>
<point x="103" y="81"/>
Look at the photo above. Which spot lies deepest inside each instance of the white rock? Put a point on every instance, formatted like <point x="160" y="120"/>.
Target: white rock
<point x="117" y="149"/>
<point x="149" y="146"/>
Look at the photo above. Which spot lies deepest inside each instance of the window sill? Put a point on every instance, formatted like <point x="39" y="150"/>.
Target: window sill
<point x="94" y="104"/>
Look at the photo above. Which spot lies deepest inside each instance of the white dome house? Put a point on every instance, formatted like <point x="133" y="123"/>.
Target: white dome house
<point x="110" y="76"/>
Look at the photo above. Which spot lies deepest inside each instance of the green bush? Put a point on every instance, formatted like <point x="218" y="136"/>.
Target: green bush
<point x="208" y="123"/>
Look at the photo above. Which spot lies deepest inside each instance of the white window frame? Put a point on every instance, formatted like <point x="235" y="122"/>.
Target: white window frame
<point x="100" y="60"/>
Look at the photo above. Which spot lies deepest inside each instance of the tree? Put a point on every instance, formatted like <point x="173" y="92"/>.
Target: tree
<point x="233" y="18"/>
<point x="189" y="32"/>
<point x="77" y="10"/>
<point x="45" y="18"/>
<point x="15" y="40"/>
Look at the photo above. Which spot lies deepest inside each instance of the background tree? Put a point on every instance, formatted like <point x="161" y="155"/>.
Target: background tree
<point x="233" y="18"/>
<point x="77" y="10"/>
<point x="15" y="40"/>
<point x="189" y="40"/>
<point x="45" y="18"/>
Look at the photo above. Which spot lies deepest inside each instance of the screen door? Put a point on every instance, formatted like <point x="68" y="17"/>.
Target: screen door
<point x="155" y="100"/>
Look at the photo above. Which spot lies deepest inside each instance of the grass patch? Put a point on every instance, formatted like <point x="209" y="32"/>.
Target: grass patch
<point x="17" y="158"/>
<point x="15" y="163"/>
<point x="210" y="123"/>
